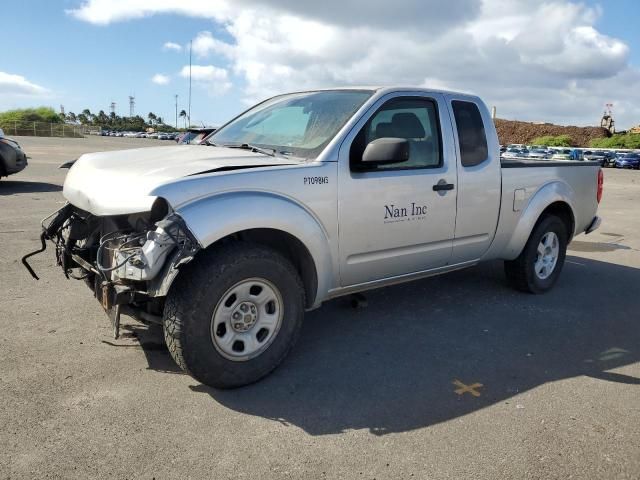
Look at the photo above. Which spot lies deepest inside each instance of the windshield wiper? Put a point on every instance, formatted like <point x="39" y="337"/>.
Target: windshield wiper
<point x="245" y="146"/>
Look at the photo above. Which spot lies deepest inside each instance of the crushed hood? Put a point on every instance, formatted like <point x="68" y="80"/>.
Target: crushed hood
<point x="121" y="182"/>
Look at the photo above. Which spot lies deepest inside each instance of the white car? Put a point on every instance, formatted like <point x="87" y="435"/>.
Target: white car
<point x="513" y="152"/>
<point x="563" y="154"/>
<point x="538" y="154"/>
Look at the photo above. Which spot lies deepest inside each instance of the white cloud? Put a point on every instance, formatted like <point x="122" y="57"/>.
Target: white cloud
<point x="533" y="59"/>
<point x="17" y="85"/>
<point x="160" y="79"/>
<point x="214" y="79"/>
<point x="176" y="47"/>
<point x="205" y="44"/>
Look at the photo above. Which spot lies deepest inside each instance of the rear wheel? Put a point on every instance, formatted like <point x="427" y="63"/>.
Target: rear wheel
<point x="538" y="266"/>
<point x="233" y="316"/>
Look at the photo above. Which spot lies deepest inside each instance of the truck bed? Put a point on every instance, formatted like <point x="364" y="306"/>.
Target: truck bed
<point x="521" y="189"/>
<point x="523" y="163"/>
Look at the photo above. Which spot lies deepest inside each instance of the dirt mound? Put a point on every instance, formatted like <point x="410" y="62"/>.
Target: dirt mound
<point x="512" y="131"/>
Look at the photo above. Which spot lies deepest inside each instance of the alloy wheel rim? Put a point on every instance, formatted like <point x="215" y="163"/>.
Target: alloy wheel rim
<point x="547" y="255"/>
<point x="247" y="319"/>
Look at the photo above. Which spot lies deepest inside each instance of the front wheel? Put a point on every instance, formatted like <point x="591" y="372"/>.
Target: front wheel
<point x="233" y="315"/>
<point x="538" y="266"/>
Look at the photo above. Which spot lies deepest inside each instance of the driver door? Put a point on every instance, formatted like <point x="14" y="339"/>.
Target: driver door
<point x="398" y="219"/>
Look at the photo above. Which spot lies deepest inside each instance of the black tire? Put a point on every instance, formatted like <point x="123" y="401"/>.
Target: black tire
<point x="197" y="291"/>
<point x="521" y="273"/>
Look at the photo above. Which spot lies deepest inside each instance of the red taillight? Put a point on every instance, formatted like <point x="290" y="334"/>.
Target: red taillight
<point x="600" y="185"/>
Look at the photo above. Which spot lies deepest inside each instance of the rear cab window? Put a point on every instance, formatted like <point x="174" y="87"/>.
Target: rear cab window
<point x="471" y="135"/>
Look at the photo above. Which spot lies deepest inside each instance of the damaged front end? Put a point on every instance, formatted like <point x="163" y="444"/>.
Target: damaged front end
<point x="129" y="261"/>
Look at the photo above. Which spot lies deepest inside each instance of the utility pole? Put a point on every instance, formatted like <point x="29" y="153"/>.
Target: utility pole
<point x="190" y="51"/>
<point x="132" y="104"/>
<point x="176" y="110"/>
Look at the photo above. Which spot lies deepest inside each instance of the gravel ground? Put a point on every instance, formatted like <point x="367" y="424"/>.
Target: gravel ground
<point x="365" y="394"/>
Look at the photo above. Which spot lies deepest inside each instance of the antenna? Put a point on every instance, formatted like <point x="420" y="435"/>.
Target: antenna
<point x="132" y="105"/>
<point x="190" y="51"/>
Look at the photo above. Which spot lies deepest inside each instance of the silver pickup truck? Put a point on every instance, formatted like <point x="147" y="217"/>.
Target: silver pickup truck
<point x="303" y="198"/>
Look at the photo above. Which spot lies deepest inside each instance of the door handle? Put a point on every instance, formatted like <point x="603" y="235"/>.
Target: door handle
<point x="442" y="186"/>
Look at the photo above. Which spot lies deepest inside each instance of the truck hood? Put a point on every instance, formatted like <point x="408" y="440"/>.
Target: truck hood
<point x="122" y="182"/>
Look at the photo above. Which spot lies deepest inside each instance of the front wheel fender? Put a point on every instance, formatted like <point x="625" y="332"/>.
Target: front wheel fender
<point x="213" y="218"/>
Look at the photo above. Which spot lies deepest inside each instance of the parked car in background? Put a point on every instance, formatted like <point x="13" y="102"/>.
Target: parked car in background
<point x="595" y="156"/>
<point x="513" y="152"/>
<point x="628" y="160"/>
<point x="609" y="159"/>
<point x="538" y="154"/>
<point x="12" y="157"/>
<point x="562" y="154"/>
<point x="193" y="136"/>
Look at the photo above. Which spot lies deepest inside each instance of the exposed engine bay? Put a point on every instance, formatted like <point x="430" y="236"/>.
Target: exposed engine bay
<point x="128" y="261"/>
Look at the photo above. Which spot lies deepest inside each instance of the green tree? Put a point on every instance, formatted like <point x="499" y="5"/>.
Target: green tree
<point x="90" y="117"/>
<point x="40" y="114"/>
<point x="628" y="140"/>
<point x="102" y="118"/>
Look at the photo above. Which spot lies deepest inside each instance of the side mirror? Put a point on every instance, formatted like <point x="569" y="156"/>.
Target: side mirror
<point x="386" y="150"/>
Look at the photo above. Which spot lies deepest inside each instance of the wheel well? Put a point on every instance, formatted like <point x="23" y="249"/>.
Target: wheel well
<point x="563" y="211"/>
<point x="288" y="246"/>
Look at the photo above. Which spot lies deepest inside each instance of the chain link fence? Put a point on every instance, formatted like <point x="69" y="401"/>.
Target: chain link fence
<point x="42" y="129"/>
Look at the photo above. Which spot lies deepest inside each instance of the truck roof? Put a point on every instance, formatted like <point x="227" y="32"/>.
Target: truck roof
<point x="389" y="89"/>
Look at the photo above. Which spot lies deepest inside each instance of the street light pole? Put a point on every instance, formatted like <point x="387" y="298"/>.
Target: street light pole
<point x="189" y="108"/>
<point x="176" y="110"/>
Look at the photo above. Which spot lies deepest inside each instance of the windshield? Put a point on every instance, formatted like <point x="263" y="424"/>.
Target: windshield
<point x="193" y="137"/>
<point x="298" y="124"/>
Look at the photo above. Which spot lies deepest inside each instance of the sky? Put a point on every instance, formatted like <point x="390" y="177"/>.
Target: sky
<point x="554" y="61"/>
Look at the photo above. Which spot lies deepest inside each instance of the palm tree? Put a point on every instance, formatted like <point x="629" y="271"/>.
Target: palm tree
<point x="90" y="117"/>
<point x="152" y="118"/>
<point x="102" y="118"/>
<point x="183" y="115"/>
